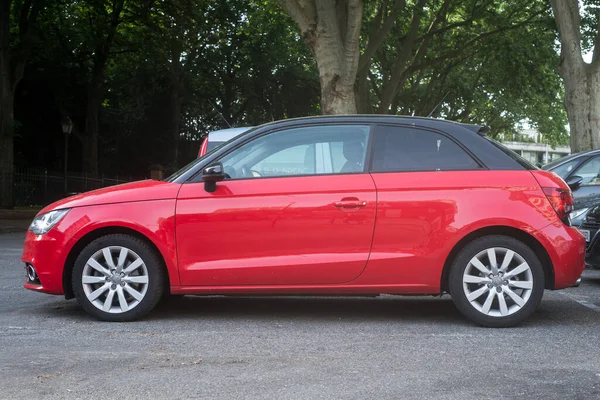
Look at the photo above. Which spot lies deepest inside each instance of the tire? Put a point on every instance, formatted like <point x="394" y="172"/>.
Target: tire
<point x="118" y="278"/>
<point x="506" y="297"/>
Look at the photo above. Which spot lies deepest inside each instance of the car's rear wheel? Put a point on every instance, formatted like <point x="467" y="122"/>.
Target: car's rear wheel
<point x="118" y="278"/>
<point x="496" y="281"/>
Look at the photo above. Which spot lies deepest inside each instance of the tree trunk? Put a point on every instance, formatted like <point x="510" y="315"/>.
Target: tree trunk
<point x="582" y="100"/>
<point x="6" y="111"/>
<point x="90" y="142"/>
<point x="337" y="94"/>
<point x="6" y="154"/>
<point x="175" y="120"/>
<point x="331" y="29"/>
<point x="95" y="91"/>
<point x="581" y="80"/>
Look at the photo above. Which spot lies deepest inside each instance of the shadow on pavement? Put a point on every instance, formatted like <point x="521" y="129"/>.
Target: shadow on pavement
<point x="418" y="310"/>
<point x="319" y="308"/>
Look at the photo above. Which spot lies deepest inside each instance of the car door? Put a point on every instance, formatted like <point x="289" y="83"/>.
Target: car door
<point x="296" y="208"/>
<point x="588" y="192"/>
<point x="417" y="173"/>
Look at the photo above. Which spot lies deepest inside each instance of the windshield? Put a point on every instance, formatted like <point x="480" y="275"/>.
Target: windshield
<point x="561" y="160"/>
<point x="213" y="145"/>
<point x="184" y="169"/>
<point x="209" y="149"/>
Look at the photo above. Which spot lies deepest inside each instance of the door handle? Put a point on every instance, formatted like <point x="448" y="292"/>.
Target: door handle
<point x="349" y="203"/>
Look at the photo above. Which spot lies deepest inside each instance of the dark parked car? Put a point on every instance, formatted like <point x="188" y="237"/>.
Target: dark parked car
<point x="590" y="228"/>
<point x="586" y="191"/>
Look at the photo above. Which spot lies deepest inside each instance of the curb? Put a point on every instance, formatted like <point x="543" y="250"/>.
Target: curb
<point x="18" y="214"/>
<point x="12" y="229"/>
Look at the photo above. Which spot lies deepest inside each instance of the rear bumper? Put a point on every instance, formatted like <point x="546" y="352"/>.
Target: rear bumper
<point x="566" y="247"/>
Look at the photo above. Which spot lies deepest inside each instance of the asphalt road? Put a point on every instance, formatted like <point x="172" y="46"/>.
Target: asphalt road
<point x="294" y="348"/>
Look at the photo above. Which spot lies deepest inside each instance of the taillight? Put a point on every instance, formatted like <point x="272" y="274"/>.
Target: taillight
<point x="561" y="200"/>
<point x="203" y="147"/>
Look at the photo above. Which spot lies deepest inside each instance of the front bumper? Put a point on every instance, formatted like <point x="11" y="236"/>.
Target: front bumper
<point x="46" y="254"/>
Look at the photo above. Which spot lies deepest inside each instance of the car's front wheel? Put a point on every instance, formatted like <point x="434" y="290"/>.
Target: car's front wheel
<point x="496" y="281"/>
<point x="118" y="278"/>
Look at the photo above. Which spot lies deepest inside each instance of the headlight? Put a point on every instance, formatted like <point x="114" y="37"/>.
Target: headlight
<point x="43" y="223"/>
<point x="578" y="213"/>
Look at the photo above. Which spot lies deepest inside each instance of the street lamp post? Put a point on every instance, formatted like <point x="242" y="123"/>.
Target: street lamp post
<point x="67" y="128"/>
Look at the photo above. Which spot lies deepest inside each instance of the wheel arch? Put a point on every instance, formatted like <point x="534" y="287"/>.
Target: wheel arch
<point x="93" y="235"/>
<point x="516" y="233"/>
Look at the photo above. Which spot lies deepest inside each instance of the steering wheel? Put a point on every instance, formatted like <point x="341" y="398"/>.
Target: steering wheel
<point x="229" y="172"/>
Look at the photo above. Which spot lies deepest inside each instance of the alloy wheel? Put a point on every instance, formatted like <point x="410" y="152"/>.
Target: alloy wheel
<point x="497" y="282"/>
<point x="115" y="279"/>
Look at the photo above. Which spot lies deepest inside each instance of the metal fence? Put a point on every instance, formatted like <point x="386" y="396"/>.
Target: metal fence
<point x="39" y="187"/>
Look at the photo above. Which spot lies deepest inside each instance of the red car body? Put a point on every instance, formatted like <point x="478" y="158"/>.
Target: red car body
<point x="360" y="233"/>
<point x="307" y="246"/>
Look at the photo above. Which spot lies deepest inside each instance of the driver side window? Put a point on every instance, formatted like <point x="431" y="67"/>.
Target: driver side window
<point x="310" y="150"/>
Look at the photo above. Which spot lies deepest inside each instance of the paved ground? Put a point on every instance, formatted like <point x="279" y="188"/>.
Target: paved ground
<point x="294" y="348"/>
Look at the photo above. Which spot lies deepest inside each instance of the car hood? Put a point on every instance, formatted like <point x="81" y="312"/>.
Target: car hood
<point x="128" y="192"/>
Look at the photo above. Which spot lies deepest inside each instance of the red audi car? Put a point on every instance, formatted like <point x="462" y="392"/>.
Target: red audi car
<point x="346" y="205"/>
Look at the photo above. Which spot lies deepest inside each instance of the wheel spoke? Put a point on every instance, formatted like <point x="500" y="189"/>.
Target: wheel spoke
<point x="90" y="280"/>
<point x="134" y="293"/>
<point x="108" y="301"/>
<point x="493" y="263"/>
<point x="518" y="270"/>
<point x="122" y="301"/>
<point x="507" y="259"/>
<point x="477" y="264"/>
<point x="122" y="258"/>
<point x="475" y="279"/>
<point x="516" y="298"/>
<point x="502" y="302"/>
<point x="476" y="294"/>
<point x="488" y="303"/>
<point x="137" y="263"/>
<point x="96" y="293"/>
<point x="136" y="279"/>
<point x="108" y="258"/>
<point x="521" y="284"/>
<point x="98" y="267"/>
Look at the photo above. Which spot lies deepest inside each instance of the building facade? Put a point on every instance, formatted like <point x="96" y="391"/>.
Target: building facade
<point x="529" y="144"/>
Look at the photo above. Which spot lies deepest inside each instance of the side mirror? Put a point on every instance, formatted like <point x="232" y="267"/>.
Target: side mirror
<point x="211" y="175"/>
<point x="574" y="181"/>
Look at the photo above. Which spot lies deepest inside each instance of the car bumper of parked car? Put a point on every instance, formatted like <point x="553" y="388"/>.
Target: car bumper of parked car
<point x="44" y="259"/>
<point x="592" y="255"/>
<point x="566" y="248"/>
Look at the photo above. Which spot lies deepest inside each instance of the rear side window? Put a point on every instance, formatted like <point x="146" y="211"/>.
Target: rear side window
<point x="404" y="149"/>
<point x="523" y="162"/>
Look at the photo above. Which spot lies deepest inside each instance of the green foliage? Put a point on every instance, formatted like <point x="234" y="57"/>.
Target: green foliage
<point x="491" y="62"/>
<point x="191" y="65"/>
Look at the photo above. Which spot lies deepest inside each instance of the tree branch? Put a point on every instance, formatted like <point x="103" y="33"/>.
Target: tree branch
<point x="596" y="54"/>
<point x="351" y="45"/>
<point x="390" y="88"/>
<point x="376" y="34"/>
<point x="468" y="44"/>
<point x="568" y="20"/>
<point x="303" y="12"/>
